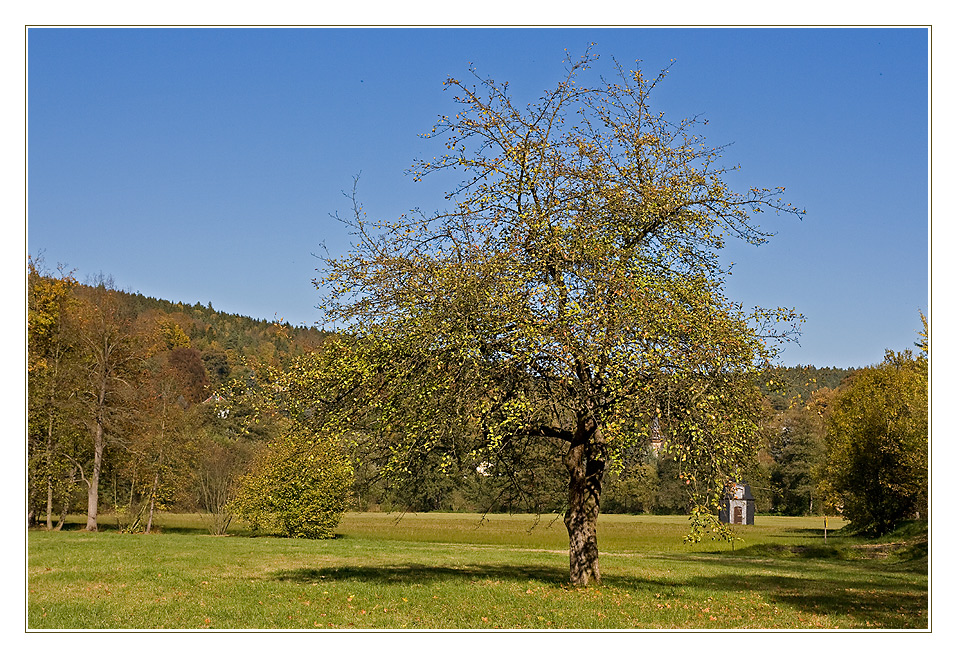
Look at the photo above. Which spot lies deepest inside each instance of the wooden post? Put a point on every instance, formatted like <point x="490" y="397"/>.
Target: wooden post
<point x="825" y="528"/>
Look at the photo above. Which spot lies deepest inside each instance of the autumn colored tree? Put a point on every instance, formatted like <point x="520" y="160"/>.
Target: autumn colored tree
<point x="158" y="455"/>
<point x="116" y="385"/>
<point x="164" y="450"/>
<point x="157" y="449"/>
<point x="53" y="370"/>
<point x="186" y="367"/>
<point x="571" y="297"/>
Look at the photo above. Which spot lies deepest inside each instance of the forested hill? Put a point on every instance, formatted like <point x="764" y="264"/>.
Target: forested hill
<point x="788" y="384"/>
<point x="228" y="342"/>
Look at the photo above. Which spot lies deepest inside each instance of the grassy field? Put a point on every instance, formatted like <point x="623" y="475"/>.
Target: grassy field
<point x="456" y="571"/>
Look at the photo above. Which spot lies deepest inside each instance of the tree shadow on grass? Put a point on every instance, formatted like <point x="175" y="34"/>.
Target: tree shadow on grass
<point x="811" y="534"/>
<point x="857" y="594"/>
<point x="867" y="593"/>
<point x="408" y="574"/>
<point x="110" y="527"/>
<point x="882" y="606"/>
<point x="805" y="532"/>
<point x="426" y="573"/>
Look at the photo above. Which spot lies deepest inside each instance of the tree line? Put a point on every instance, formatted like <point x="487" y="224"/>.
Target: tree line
<point x="138" y="404"/>
<point x="123" y="394"/>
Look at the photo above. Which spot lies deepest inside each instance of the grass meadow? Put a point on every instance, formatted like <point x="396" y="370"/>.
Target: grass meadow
<point x="460" y="571"/>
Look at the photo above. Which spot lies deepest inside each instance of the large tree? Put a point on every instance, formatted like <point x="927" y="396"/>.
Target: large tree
<point x="568" y="305"/>
<point x="113" y="359"/>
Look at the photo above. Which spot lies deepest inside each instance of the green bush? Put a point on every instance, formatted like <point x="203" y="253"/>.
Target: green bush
<point x="876" y="469"/>
<point x="299" y="487"/>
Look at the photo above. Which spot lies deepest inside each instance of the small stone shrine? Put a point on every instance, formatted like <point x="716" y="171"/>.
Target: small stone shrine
<point x="737" y="505"/>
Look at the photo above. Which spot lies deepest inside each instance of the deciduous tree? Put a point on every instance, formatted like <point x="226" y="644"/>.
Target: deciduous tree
<point x="569" y="299"/>
<point x="220" y="463"/>
<point x="161" y="451"/>
<point x="113" y="364"/>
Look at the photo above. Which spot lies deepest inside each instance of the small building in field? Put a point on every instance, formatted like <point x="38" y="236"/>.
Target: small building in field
<point x="737" y="505"/>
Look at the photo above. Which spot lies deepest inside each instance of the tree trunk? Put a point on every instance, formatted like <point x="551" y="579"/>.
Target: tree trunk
<point x="66" y="503"/>
<point x="93" y="490"/>
<point x="159" y="465"/>
<point x="49" y="502"/>
<point x="63" y="512"/>
<point x="149" y="521"/>
<point x="586" y="466"/>
<point x="50" y="471"/>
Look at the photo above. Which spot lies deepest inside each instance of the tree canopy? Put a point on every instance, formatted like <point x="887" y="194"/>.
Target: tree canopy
<point x="566" y="307"/>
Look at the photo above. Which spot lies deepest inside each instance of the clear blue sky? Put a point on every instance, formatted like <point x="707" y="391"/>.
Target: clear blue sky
<point x="202" y="165"/>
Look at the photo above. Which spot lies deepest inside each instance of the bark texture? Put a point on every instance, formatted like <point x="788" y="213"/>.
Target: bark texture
<point x="93" y="485"/>
<point x="585" y="461"/>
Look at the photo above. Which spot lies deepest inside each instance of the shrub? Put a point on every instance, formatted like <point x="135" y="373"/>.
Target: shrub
<point x="298" y="487"/>
<point x="216" y="474"/>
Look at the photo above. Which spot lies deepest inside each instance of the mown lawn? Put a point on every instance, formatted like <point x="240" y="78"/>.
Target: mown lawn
<point x="456" y="571"/>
